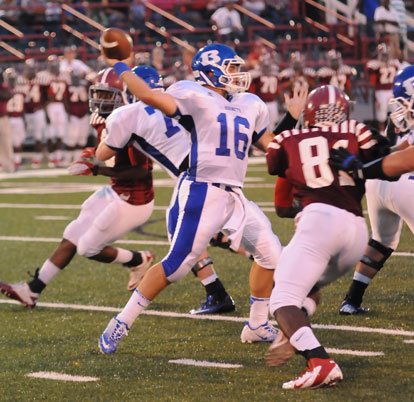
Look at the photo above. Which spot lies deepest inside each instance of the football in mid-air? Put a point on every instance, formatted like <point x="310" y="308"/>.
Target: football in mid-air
<point x="116" y="44"/>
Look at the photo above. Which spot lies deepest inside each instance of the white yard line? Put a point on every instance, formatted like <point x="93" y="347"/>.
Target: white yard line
<point x="171" y="314"/>
<point x="142" y="242"/>
<point x="56" y="206"/>
<point x="53" y="218"/>
<point x="204" y="363"/>
<point x="353" y="352"/>
<point x="58" y="240"/>
<point x="50" y="375"/>
<point x="409" y="341"/>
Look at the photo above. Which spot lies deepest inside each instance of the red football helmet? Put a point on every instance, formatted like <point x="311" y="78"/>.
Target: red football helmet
<point x="107" y="93"/>
<point x="326" y="105"/>
<point x="335" y="59"/>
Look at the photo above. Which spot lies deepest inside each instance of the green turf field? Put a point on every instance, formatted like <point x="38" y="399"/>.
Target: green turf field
<point x="61" y="334"/>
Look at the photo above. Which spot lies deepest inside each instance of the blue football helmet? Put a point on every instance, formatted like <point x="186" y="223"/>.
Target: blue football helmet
<point x="219" y="66"/>
<point x="150" y="75"/>
<point x="403" y="99"/>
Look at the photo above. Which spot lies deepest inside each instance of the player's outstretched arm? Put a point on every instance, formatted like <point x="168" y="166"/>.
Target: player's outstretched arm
<point x="139" y="88"/>
<point x="398" y="163"/>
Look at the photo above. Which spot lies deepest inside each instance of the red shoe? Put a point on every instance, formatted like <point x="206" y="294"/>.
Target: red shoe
<point x="319" y="372"/>
<point x="21" y="292"/>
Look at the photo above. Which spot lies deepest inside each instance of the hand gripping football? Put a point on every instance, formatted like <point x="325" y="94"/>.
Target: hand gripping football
<point x="116" y="44"/>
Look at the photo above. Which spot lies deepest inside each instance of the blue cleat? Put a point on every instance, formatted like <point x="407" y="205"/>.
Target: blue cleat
<point x="114" y="332"/>
<point x="214" y="306"/>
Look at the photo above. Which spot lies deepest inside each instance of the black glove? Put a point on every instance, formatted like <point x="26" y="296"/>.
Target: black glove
<point x="342" y="159"/>
<point x="383" y="146"/>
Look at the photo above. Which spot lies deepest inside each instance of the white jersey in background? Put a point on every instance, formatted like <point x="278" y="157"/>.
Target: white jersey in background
<point x="157" y="136"/>
<point x="222" y="131"/>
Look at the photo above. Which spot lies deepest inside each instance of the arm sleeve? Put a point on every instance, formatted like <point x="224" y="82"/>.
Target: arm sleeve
<point x="283" y="193"/>
<point x="287" y="123"/>
<point x="262" y="120"/>
<point x="276" y="157"/>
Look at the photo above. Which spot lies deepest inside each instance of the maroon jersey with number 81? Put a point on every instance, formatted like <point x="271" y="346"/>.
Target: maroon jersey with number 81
<point x="302" y="157"/>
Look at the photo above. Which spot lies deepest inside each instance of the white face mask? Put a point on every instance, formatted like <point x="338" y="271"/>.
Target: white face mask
<point x="403" y="114"/>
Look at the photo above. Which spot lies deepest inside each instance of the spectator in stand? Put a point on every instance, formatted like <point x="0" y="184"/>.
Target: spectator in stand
<point x="69" y="63"/>
<point x="157" y="59"/>
<point x="53" y="13"/>
<point x="399" y="7"/>
<point x="227" y="20"/>
<point x="11" y="15"/>
<point x="136" y="13"/>
<point x="6" y="148"/>
<point x="387" y="26"/>
<point x="255" y="6"/>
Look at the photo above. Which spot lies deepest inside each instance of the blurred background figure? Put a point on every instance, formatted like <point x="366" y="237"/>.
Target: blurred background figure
<point x="382" y="71"/>
<point x="70" y="63"/>
<point x="6" y="148"/>
<point x="336" y="73"/>
<point x="15" y="111"/>
<point x="227" y="21"/>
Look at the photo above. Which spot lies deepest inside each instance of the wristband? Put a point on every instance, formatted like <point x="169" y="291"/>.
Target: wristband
<point x="120" y="67"/>
<point x="94" y="170"/>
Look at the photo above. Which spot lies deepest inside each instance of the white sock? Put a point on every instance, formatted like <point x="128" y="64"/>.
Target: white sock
<point x="309" y="305"/>
<point x="48" y="271"/>
<point x="259" y="311"/>
<point x="135" y="306"/>
<point x="209" y="279"/>
<point x="122" y="256"/>
<point x="361" y="278"/>
<point x="304" y="339"/>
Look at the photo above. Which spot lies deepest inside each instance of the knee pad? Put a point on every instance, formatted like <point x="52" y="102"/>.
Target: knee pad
<point x="201" y="264"/>
<point x="85" y="249"/>
<point x="385" y="251"/>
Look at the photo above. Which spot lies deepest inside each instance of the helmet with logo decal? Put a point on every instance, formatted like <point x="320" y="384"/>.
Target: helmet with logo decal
<point x="218" y="66"/>
<point x="107" y="93"/>
<point x="326" y="106"/>
<point x="403" y="99"/>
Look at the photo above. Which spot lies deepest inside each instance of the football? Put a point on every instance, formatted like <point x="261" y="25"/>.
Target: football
<point x="116" y="44"/>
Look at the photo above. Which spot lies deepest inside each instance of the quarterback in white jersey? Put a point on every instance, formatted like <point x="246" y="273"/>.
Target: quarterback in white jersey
<point x="223" y="123"/>
<point x="389" y="202"/>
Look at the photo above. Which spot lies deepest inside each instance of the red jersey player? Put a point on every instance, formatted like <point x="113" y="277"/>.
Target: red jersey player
<point x="331" y="232"/>
<point x="265" y="86"/>
<point x="336" y="73"/>
<point x="297" y="75"/>
<point x="77" y="107"/>
<point x="35" y="86"/>
<point x="382" y="72"/>
<point x="57" y="93"/>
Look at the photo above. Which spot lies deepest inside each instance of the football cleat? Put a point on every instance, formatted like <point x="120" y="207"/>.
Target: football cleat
<point x="263" y="333"/>
<point x="137" y="273"/>
<point x="349" y="309"/>
<point x="21" y="292"/>
<point x="280" y="351"/>
<point x="319" y="373"/>
<point x="110" y="338"/>
<point x="214" y="306"/>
